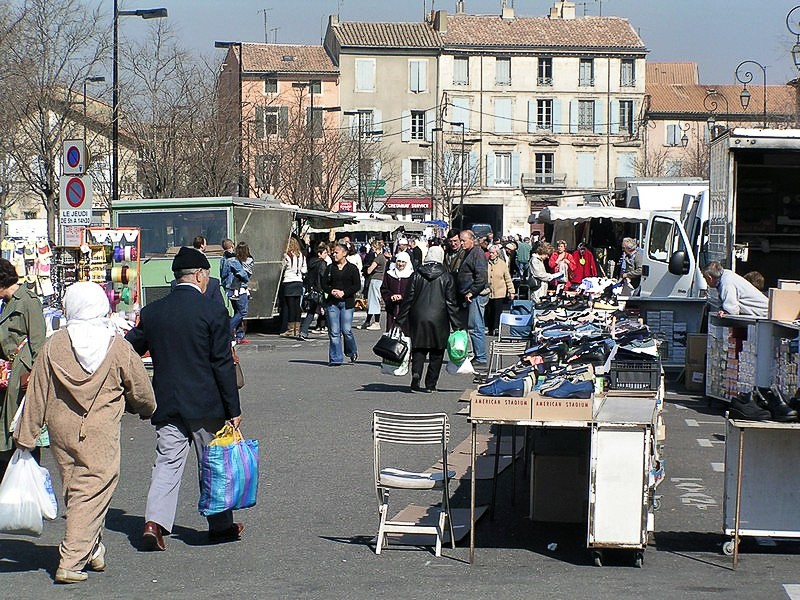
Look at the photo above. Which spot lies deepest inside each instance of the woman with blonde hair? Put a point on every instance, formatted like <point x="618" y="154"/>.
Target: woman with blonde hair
<point x="501" y="288"/>
<point x="85" y="376"/>
<point x="294" y="269"/>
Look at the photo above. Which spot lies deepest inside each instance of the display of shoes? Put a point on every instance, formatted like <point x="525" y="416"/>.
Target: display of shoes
<point x="744" y="407"/>
<point x="778" y="409"/>
<point x="516" y="388"/>
<point x="570" y="389"/>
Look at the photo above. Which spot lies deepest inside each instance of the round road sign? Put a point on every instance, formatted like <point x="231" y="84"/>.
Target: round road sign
<point x="73" y="156"/>
<point x="76" y="192"/>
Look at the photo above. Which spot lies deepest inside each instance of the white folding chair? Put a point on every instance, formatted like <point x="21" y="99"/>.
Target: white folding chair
<point x="411" y="429"/>
<point x="509" y="320"/>
<point x="500" y="350"/>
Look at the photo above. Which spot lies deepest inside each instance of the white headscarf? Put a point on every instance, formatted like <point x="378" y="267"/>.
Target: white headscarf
<point x="90" y="330"/>
<point x="405" y="271"/>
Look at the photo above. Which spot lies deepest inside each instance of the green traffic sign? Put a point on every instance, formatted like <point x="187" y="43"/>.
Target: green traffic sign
<point x="375" y="182"/>
<point x="376" y="192"/>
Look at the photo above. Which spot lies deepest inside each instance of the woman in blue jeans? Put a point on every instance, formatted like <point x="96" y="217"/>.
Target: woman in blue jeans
<point x="341" y="282"/>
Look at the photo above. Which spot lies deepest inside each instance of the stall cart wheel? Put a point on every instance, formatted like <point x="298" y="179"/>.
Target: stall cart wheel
<point x="638" y="559"/>
<point x="597" y="556"/>
<point x="727" y="548"/>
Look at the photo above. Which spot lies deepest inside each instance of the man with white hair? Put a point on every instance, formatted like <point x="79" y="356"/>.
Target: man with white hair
<point x="737" y="295"/>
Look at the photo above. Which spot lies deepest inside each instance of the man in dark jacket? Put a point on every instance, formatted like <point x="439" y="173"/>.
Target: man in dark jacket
<point x="454" y="253"/>
<point x="473" y="293"/>
<point x="194" y="381"/>
<point x="430" y="309"/>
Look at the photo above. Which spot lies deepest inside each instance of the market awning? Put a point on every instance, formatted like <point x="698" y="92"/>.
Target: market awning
<point x="376" y="226"/>
<point x="408" y="203"/>
<point x="553" y="214"/>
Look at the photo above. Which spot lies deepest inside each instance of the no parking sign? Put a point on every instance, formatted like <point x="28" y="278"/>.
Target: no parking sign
<point x="74" y="159"/>
<point x="75" y="199"/>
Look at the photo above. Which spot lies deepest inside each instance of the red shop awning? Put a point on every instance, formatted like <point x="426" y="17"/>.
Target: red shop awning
<point x="408" y="203"/>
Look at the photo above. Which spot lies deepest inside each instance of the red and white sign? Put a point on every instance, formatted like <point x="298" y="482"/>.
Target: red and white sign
<point x="73" y="159"/>
<point x="75" y="199"/>
<point x="345" y="206"/>
<point x="408" y="203"/>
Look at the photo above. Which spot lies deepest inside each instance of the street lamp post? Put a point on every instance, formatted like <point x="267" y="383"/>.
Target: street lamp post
<point x="685" y="138"/>
<point x="145" y="13"/>
<point x="86" y="80"/>
<point x="746" y="77"/>
<point x="711" y="103"/>
<point x="434" y="132"/>
<point x="796" y="31"/>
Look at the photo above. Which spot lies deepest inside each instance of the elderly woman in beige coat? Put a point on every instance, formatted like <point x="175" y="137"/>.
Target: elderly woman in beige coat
<point x="83" y="379"/>
<point x="501" y="288"/>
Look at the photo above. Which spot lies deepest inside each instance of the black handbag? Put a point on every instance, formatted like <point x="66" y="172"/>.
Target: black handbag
<point x="315" y="296"/>
<point x="391" y="347"/>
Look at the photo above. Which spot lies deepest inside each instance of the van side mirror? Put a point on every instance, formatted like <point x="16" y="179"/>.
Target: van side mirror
<point x="679" y="263"/>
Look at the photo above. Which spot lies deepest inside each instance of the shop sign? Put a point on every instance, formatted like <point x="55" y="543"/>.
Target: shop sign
<point x="416" y="203"/>
<point x="345" y="206"/>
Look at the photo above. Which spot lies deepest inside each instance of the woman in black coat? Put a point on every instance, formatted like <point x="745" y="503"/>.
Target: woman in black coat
<point x="316" y="269"/>
<point x="430" y="309"/>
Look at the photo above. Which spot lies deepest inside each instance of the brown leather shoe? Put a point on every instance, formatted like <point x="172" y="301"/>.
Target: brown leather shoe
<point x="231" y="534"/>
<point x="152" y="538"/>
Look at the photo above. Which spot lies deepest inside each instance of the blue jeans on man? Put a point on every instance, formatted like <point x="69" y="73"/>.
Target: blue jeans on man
<point x="240" y="305"/>
<point x="476" y="327"/>
<point x="340" y="322"/>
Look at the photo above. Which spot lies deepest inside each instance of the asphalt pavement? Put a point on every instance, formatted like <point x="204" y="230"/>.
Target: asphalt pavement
<point x="310" y="536"/>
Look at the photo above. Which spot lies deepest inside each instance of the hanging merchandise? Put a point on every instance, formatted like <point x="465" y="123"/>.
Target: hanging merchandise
<point x="121" y="266"/>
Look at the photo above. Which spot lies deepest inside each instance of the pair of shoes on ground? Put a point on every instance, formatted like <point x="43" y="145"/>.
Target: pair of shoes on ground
<point x="153" y="536"/>
<point x="97" y="562"/>
<point x="416" y="387"/>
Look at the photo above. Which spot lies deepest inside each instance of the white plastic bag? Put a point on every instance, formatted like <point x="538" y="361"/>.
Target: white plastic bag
<point x="462" y="368"/>
<point x="398" y="369"/>
<point x="20" y="496"/>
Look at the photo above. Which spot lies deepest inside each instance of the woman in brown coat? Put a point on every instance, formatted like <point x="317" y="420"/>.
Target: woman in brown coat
<point x="501" y="288"/>
<point x="84" y="377"/>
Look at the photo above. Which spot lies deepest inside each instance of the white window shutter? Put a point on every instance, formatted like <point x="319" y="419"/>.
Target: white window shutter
<point x="573" y="116"/>
<point x="558" y="118"/>
<point x="531" y="116"/>
<point x="405" y="126"/>
<point x="422" y="76"/>
<point x="615" y="117"/>
<point x="490" y="169"/>
<point x="413" y="75"/>
<point x="430" y="121"/>
<point x="377" y="122"/>
<point x="354" y="126"/>
<point x="599" y="117"/>
<point x="405" y="176"/>
<point x="515" y="178"/>
<point x="472" y="169"/>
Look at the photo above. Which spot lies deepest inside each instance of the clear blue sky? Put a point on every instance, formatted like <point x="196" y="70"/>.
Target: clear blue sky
<point x="717" y="34"/>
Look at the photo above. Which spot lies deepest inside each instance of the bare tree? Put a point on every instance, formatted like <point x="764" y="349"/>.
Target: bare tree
<point x="453" y="166"/>
<point x="653" y="163"/>
<point x="55" y="45"/>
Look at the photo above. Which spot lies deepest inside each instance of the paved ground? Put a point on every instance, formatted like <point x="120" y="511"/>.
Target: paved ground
<point x="307" y="538"/>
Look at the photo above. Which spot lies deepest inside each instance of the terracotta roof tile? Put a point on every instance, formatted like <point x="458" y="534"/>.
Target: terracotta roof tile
<point x="686" y="73"/>
<point x="274" y="58"/>
<point x="678" y="98"/>
<point x="541" y="32"/>
<point x="386" y="35"/>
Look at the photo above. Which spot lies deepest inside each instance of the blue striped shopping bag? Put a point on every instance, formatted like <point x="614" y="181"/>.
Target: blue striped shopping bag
<point x="228" y="473"/>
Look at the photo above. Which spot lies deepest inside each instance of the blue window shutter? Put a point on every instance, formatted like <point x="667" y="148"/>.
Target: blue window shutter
<point x="472" y="175"/>
<point x="515" y="179"/>
<point x="377" y="123"/>
<point x="585" y="170"/>
<point x="354" y="126"/>
<point x="531" y="116"/>
<point x="405" y="179"/>
<point x="558" y="118"/>
<point x="430" y="117"/>
<point x="490" y="169"/>
<point x="405" y="126"/>
<point x="599" y="117"/>
<point x="615" y="121"/>
<point x="573" y="116"/>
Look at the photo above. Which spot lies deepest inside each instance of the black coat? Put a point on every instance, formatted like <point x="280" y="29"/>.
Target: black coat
<point x="430" y="307"/>
<point x="188" y="336"/>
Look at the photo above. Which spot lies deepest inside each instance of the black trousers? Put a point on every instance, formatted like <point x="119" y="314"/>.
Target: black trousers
<point x="418" y="356"/>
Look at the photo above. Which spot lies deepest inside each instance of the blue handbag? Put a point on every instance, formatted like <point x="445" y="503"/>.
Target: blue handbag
<point x="228" y="473"/>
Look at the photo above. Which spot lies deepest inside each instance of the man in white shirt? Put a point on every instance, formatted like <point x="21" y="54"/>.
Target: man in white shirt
<point x="737" y="296"/>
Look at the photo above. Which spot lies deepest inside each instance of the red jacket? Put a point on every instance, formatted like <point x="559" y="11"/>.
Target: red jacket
<point x="581" y="270"/>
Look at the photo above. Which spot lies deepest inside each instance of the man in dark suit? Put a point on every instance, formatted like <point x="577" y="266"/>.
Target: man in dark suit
<point x="188" y="337"/>
<point x="214" y="289"/>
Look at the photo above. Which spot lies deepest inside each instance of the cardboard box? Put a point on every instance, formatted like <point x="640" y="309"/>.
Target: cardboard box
<point x="696" y="346"/>
<point x="784" y="304"/>
<point x="561" y="409"/>
<point x="695" y="377"/>
<point x="788" y="284"/>
<point x="500" y="407"/>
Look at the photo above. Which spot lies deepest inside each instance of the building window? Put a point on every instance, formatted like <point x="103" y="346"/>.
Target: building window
<point x="417" y="124"/>
<point x="627" y="75"/>
<point x="544" y="115"/>
<point x="418" y="76"/>
<point x="314" y="122"/>
<point x="544" y="168"/>
<point x="266" y="121"/>
<point x="673" y="135"/>
<point x="316" y="86"/>
<point x="418" y="172"/>
<point x="270" y="86"/>
<point x="626" y="116"/>
<point x="267" y="171"/>
<point x="503" y="70"/>
<point x="502" y="168"/>
<point x="545" y="73"/>
<point x="460" y="106"/>
<point x="461" y="70"/>
<point x="586" y="115"/>
<point x="365" y="74"/>
<point x="502" y="115"/>
<point x="29" y="214"/>
<point x="586" y="72"/>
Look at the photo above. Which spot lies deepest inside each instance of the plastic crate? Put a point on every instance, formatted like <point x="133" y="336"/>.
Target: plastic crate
<point x="634" y="375"/>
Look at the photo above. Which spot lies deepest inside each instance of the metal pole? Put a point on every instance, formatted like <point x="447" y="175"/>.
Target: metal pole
<point x="242" y="193"/>
<point x="358" y="204"/>
<point x="85" y="80"/>
<point x="461" y="171"/>
<point x="311" y="145"/>
<point x="115" y="108"/>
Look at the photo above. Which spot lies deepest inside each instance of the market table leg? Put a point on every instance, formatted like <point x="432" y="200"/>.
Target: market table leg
<point x="738" y="500"/>
<point x="472" y="497"/>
